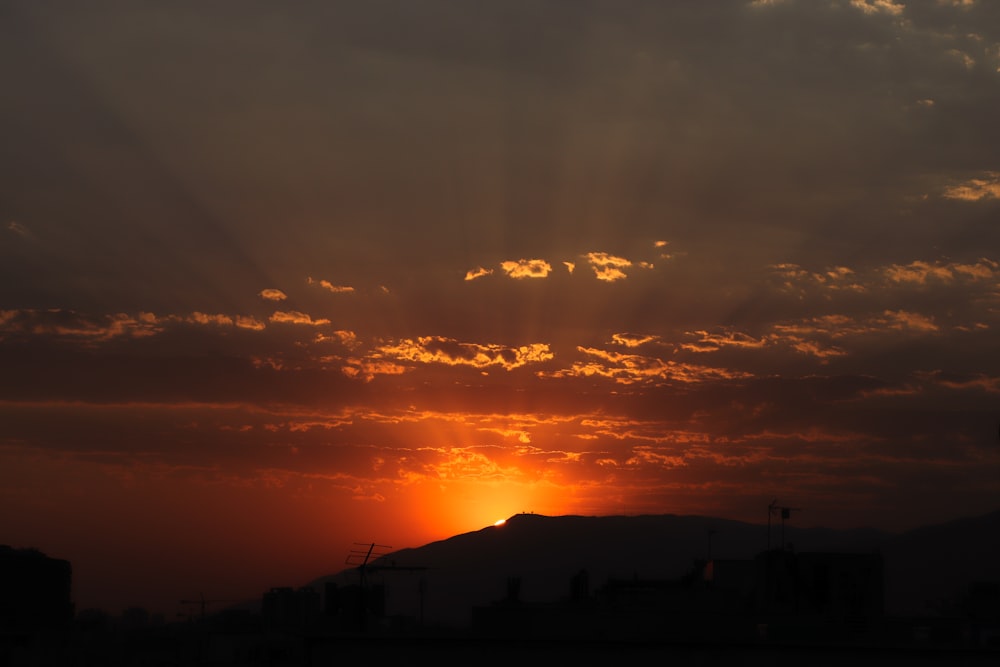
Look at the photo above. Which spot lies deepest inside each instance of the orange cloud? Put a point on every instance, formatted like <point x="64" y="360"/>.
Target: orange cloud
<point x="632" y="340"/>
<point x="976" y="189"/>
<point x="437" y="349"/>
<point x="70" y="324"/>
<point x="711" y="342"/>
<point x="922" y="272"/>
<point x="608" y="267"/>
<point x="570" y="266"/>
<point x="878" y="7"/>
<point x="527" y="268"/>
<point x="348" y="338"/>
<point x="633" y="368"/>
<point x="206" y="319"/>
<point x="330" y="287"/>
<point x="246" y="322"/>
<point x="296" y="317"/>
<point x="836" y="278"/>
<point x="478" y="272"/>
<point x="272" y="294"/>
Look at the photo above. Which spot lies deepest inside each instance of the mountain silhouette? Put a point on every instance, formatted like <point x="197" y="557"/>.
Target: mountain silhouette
<point x="442" y="582"/>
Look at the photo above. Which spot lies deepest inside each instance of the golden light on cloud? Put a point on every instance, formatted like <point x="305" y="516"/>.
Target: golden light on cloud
<point x="441" y="350"/>
<point x="878" y="7"/>
<point x="608" y="268"/>
<point x="296" y="317"/>
<point x="478" y="272"/>
<point x="207" y="319"/>
<point x="330" y="287"/>
<point x="632" y="340"/>
<point x="272" y="294"/>
<point x="630" y="369"/>
<point x="526" y="268"/>
<point x="251" y="323"/>
<point x="920" y="272"/>
<point x="570" y="266"/>
<point x="976" y="189"/>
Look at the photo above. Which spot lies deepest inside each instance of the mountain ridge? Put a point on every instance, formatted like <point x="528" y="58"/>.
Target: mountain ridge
<point x="443" y="580"/>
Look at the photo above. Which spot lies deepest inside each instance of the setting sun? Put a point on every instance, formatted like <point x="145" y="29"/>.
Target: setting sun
<point x="499" y="522"/>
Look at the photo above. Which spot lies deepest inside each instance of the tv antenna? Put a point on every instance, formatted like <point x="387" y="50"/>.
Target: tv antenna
<point x="785" y="513"/>
<point x="360" y="558"/>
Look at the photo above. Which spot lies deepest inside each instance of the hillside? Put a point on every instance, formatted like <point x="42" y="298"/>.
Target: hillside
<point x="544" y="552"/>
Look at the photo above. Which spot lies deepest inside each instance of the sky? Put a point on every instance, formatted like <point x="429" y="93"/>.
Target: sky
<point x="280" y="278"/>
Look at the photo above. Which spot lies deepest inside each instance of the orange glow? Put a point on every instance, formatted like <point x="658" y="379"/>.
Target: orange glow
<point x="499" y="522"/>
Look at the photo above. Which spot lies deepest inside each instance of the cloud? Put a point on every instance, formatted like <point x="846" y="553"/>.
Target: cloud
<point x="70" y="324"/>
<point x="879" y="7"/>
<point x="330" y="287"/>
<point x="441" y="350"/>
<point x="367" y="369"/>
<point x="296" y="317"/>
<point x="526" y="268"/>
<point x="608" y="268"/>
<point x="272" y="295"/>
<point x="247" y="322"/>
<point x="570" y="266"/>
<point x="344" y="337"/>
<point x="836" y="278"/>
<point x="477" y="273"/>
<point x="207" y="319"/>
<point x="922" y="272"/>
<point x="976" y="189"/>
<point x="637" y="369"/>
<point x="711" y="342"/>
<point x="18" y="229"/>
<point x="633" y="340"/>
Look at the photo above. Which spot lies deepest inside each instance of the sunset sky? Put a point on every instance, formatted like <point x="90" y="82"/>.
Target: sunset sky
<point x="276" y="278"/>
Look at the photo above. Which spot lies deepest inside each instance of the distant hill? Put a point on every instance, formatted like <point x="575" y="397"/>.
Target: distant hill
<point x="544" y="552"/>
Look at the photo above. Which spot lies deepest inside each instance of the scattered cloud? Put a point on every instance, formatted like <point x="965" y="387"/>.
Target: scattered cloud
<point x="73" y="325"/>
<point x="570" y="266"/>
<point x="630" y="369"/>
<point x="272" y="294"/>
<point x="343" y="337"/>
<point x="633" y="340"/>
<point x="478" y="272"/>
<point x="330" y="287"/>
<point x="441" y="350"/>
<point x="879" y="7"/>
<point x="976" y="189"/>
<point x="920" y="272"/>
<point x="712" y="342"/>
<point x="608" y="268"/>
<point x="18" y="229"/>
<point x="207" y="319"/>
<point x="526" y="268"/>
<point x="296" y="317"/>
<point x="248" y="322"/>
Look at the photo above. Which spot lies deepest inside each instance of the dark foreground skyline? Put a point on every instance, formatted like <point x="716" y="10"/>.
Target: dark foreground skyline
<point x="572" y="588"/>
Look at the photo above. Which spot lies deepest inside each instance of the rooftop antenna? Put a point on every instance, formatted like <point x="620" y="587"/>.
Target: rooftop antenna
<point x="785" y="512"/>
<point x="359" y="558"/>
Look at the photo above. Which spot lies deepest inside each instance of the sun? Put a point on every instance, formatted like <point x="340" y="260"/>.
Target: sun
<point x="499" y="522"/>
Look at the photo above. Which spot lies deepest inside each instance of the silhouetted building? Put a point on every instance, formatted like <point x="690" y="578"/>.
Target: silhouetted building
<point x="290" y="608"/>
<point x="839" y="587"/>
<point x="35" y="592"/>
<point x="356" y="607"/>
